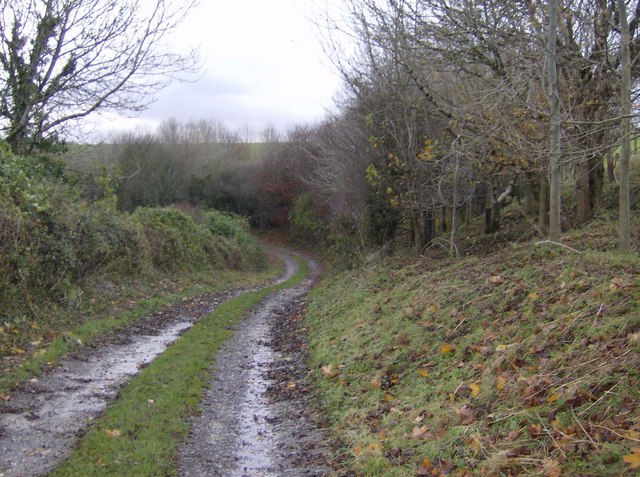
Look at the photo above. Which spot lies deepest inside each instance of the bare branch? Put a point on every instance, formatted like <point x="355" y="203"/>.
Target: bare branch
<point x="62" y="60"/>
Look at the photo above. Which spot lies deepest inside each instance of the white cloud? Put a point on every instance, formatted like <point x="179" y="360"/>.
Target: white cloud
<point x="264" y="66"/>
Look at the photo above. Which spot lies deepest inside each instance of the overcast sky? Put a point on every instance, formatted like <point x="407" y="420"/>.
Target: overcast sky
<point x="264" y="65"/>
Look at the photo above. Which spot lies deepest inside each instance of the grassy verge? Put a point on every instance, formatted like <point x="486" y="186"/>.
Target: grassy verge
<point x="523" y="362"/>
<point x="140" y="431"/>
<point x="115" y="312"/>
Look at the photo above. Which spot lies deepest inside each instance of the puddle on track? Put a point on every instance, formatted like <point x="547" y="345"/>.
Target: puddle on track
<point x="42" y="422"/>
<point x="241" y="432"/>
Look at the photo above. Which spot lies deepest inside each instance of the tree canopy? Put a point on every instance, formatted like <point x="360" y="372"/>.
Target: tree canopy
<point x="61" y="60"/>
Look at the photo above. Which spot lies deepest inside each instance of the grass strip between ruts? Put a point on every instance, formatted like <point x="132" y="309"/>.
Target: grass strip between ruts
<point x="92" y="329"/>
<point x="140" y="431"/>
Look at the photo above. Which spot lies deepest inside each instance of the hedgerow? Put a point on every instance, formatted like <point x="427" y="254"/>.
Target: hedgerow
<point x="54" y="240"/>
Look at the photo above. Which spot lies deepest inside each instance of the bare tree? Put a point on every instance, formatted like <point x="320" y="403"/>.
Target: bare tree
<point x="340" y="159"/>
<point x="422" y="68"/>
<point x="625" y="93"/>
<point x="61" y="60"/>
<point x="555" y="181"/>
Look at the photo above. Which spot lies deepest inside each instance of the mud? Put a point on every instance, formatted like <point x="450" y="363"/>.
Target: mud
<point x="44" y="418"/>
<point x="247" y="427"/>
<point x="256" y="418"/>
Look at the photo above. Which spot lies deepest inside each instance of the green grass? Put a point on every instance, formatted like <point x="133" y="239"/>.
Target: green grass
<point x="540" y="341"/>
<point x="140" y="431"/>
<point x="111" y="312"/>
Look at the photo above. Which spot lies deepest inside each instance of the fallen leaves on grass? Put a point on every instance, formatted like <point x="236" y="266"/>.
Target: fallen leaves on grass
<point x="419" y="432"/>
<point x="447" y="348"/>
<point x="113" y="433"/>
<point x="375" y="447"/>
<point x="548" y="384"/>
<point x="633" y="459"/>
<point x="329" y="371"/>
<point x="620" y="283"/>
<point x="466" y="414"/>
<point x="551" y="468"/>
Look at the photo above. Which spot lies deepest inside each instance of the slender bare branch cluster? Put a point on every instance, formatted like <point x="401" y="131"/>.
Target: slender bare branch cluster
<point x="460" y="99"/>
<point x="61" y="60"/>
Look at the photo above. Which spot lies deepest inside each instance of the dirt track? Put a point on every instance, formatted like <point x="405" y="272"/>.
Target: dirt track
<point x="255" y="421"/>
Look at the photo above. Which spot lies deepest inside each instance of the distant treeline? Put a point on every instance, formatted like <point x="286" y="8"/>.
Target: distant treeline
<point x="198" y="163"/>
<point x="339" y="183"/>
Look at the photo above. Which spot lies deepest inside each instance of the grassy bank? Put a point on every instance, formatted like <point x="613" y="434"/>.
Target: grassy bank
<point x="522" y="362"/>
<point x="73" y="266"/>
<point x="140" y="432"/>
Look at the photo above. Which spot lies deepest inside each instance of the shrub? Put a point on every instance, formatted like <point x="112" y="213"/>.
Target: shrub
<point x="175" y="241"/>
<point x="235" y="229"/>
<point x="53" y="241"/>
<point x="305" y="221"/>
<point x="226" y="224"/>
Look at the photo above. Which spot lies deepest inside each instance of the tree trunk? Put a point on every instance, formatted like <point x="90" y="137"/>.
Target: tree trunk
<point x="488" y="210"/>
<point x="413" y="230"/>
<point x="495" y="222"/>
<point x="583" y="195"/>
<point x="487" y="220"/>
<point x="596" y="182"/>
<point x="455" y="232"/>
<point x="443" y="219"/>
<point x="455" y="216"/>
<point x="533" y="193"/>
<point x="555" y="182"/>
<point x="624" y="225"/>
<point x="491" y="212"/>
<point x="543" y="203"/>
<point x="468" y="212"/>
<point x="611" y="164"/>
<point x="429" y="229"/>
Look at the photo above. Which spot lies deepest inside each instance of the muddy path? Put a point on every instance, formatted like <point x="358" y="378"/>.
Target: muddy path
<point x="256" y="417"/>
<point x="43" y="420"/>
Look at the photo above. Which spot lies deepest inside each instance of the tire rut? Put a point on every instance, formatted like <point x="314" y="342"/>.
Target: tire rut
<point x="46" y="416"/>
<point x="256" y="419"/>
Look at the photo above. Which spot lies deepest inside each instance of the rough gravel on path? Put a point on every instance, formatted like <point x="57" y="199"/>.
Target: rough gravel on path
<point x="256" y="417"/>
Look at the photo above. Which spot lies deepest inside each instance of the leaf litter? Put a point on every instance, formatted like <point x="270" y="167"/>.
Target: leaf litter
<point x="526" y="362"/>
